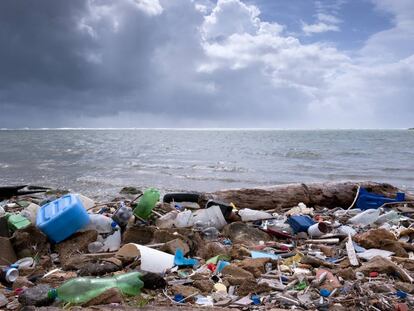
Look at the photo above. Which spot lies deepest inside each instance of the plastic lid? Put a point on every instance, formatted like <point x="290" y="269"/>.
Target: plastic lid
<point x="114" y="224"/>
<point x="11" y="275"/>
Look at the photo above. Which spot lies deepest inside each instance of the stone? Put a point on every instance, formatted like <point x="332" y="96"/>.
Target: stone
<point x="316" y="262"/>
<point x="21" y="282"/>
<point x="112" y="295"/>
<point x="256" y="266"/>
<point x="171" y="246"/>
<point x="30" y="242"/>
<point x="236" y="272"/>
<point x="184" y="290"/>
<point x="3" y="300"/>
<point x="239" y="232"/>
<point x="76" y="244"/>
<point x="205" y="286"/>
<point x="250" y="286"/>
<point x="238" y="251"/>
<point x="36" y="296"/>
<point x="374" y="237"/>
<point x="406" y="287"/>
<point x="212" y="249"/>
<point x="97" y="268"/>
<point x="153" y="280"/>
<point x="138" y="235"/>
<point x="383" y="265"/>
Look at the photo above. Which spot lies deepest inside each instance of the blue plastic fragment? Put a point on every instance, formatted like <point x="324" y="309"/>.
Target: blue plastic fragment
<point x="324" y="292"/>
<point x="181" y="261"/>
<point x="256" y="254"/>
<point x="255" y="299"/>
<point x="300" y="223"/>
<point x="178" y="298"/>
<point x="367" y="200"/>
<point x="227" y="242"/>
<point x="220" y="265"/>
<point x="401" y="294"/>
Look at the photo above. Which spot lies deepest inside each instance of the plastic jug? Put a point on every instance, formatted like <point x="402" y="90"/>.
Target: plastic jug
<point x="83" y="289"/>
<point x="147" y="203"/>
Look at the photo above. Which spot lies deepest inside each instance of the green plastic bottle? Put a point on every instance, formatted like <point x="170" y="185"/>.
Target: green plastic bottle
<point x="147" y="202"/>
<point x="83" y="289"/>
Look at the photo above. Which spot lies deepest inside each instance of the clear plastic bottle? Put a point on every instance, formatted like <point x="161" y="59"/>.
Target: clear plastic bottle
<point x="83" y="289"/>
<point x="100" y="223"/>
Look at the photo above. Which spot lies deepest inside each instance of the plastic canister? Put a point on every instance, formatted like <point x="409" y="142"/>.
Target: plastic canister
<point x="122" y="215"/>
<point x="300" y="223"/>
<point x="61" y="218"/>
<point x="318" y="229"/>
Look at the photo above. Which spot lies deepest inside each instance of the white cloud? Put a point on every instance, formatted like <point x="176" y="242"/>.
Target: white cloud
<point x="318" y="28"/>
<point x="151" y="7"/>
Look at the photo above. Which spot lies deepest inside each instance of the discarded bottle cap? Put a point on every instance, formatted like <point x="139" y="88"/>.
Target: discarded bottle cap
<point x="25" y="263"/>
<point x="373" y="274"/>
<point x="324" y="292"/>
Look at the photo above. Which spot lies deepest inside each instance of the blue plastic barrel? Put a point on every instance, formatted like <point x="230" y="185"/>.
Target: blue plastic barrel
<point x="61" y="218"/>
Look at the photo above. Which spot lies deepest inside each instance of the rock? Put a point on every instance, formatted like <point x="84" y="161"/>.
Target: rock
<point x="250" y="286"/>
<point x="205" y="286"/>
<point x="406" y="287"/>
<point x="21" y="282"/>
<point x="212" y="249"/>
<point x="383" y="265"/>
<point x="395" y="247"/>
<point x="239" y="232"/>
<point x="171" y="246"/>
<point x="184" y="290"/>
<point x="3" y="300"/>
<point x="30" y="242"/>
<point x="36" y="296"/>
<point x="316" y="262"/>
<point x="112" y="295"/>
<point x="138" y="235"/>
<point x="153" y="280"/>
<point x="97" y="268"/>
<point x="76" y="244"/>
<point x="327" y="250"/>
<point x="130" y="190"/>
<point x="256" y="266"/>
<point x="237" y="272"/>
<point x="347" y="273"/>
<point x="374" y="237"/>
<point x="238" y="251"/>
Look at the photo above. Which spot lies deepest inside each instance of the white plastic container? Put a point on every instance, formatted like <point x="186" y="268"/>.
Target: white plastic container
<point x="365" y="218"/>
<point x="212" y="215"/>
<point x="167" y="220"/>
<point x="390" y="217"/>
<point x="346" y="230"/>
<point x="111" y="244"/>
<point x="248" y="214"/>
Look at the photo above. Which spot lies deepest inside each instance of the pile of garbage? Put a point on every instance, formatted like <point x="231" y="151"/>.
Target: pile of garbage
<point x="64" y="249"/>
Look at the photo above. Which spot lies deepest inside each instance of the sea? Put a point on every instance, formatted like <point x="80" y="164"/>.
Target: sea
<point x="99" y="162"/>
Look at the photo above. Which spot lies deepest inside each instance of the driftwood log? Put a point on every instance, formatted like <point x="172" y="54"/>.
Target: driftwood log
<point x="330" y="195"/>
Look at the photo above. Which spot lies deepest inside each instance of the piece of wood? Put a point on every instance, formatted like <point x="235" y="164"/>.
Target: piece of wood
<point x="330" y="195"/>
<point x="353" y="260"/>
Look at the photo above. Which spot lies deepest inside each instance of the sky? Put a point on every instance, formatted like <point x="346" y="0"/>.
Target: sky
<point x="207" y="63"/>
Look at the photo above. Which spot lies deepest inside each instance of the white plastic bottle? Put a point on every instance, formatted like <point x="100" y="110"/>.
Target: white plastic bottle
<point x="100" y="223"/>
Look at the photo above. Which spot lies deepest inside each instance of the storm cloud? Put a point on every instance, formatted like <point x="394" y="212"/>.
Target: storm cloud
<point x="179" y="63"/>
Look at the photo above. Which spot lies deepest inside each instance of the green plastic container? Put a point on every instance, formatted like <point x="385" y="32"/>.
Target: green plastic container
<point x="147" y="203"/>
<point x="17" y="222"/>
<point x="83" y="289"/>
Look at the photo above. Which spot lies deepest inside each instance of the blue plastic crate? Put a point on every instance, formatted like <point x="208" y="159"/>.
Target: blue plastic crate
<point x="61" y="218"/>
